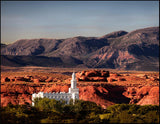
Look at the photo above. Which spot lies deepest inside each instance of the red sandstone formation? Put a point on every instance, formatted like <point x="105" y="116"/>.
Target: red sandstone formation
<point x="27" y="78"/>
<point x="36" y="80"/>
<point x="21" y="94"/>
<point x="49" y="79"/>
<point x="143" y="91"/>
<point x="95" y="94"/>
<point x="83" y="78"/>
<point x="92" y="75"/>
<point x="110" y="79"/>
<point x="115" y="77"/>
<point x="5" y="79"/>
<point x="97" y="78"/>
<point x="154" y="79"/>
<point x="121" y="79"/>
<point x="43" y="78"/>
<point x="20" y="79"/>
<point x="152" y="98"/>
<point x="143" y="96"/>
<point x="103" y="95"/>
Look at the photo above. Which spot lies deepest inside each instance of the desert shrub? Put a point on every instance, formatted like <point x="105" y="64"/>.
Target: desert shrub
<point x="151" y="117"/>
<point x="52" y="111"/>
<point x="55" y="117"/>
<point x="146" y="108"/>
<point x="117" y="108"/>
<point x="46" y="121"/>
<point x="87" y="107"/>
<point x="126" y="113"/>
<point x="47" y="104"/>
<point x="69" y="109"/>
<point x="125" y="117"/>
<point x="93" y="118"/>
<point x="133" y="109"/>
<point x="105" y="116"/>
<point x="19" y="114"/>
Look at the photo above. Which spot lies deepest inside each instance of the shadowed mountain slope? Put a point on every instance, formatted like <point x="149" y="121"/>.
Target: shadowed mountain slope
<point x="136" y="50"/>
<point x="3" y="45"/>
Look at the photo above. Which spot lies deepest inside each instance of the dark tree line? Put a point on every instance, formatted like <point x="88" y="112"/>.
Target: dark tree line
<point x="52" y="111"/>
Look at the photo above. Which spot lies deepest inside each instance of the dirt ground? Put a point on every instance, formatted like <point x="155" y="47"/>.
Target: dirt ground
<point x="134" y="87"/>
<point x="132" y="78"/>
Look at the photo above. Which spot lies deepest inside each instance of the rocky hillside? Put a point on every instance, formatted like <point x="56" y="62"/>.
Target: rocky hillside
<point x="3" y="45"/>
<point x="136" y="50"/>
<point x="140" y="88"/>
<point x="104" y="95"/>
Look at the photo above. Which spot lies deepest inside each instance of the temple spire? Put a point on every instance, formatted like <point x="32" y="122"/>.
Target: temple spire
<point x="72" y="94"/>
<point x="73" y="81"/>
<point x="73" y="76"/>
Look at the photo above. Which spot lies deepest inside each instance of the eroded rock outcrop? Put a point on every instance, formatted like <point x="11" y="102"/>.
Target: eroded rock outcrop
<point x="139" y="89"/>
<point x="152" y="98"/>
<point x="92" y="75"/>
<point x="147" y="95"/>
<point x="104" y="95"/>
<point x="29" y="78"/>
<point x="21" y="93"/>
<point x="95" y="94"/>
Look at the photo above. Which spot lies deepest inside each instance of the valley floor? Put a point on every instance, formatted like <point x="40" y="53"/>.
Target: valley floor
<point x="134" y="87"/>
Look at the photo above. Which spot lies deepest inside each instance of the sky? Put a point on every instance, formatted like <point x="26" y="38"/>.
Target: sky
<point x="65" y="19"/>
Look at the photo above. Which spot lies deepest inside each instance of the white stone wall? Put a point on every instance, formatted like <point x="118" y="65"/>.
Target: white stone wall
<point x="72" y="94"/>
<point x="57" y="96"/>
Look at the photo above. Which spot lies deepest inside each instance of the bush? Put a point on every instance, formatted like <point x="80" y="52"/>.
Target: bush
<point x="19" y="114"/>
<point x="52" y="111"/>
<point x="46" y="104"/>
<point x="126" y="113"/>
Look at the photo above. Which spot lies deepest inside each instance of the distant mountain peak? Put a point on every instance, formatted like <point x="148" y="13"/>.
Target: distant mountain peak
<point x="136" y="50"/>
<point x="115" y="34"/>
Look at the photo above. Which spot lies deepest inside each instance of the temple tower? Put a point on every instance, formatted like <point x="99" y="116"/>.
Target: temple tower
<point x="73" y="81"/>
<point x="72" y="94"/>
<point x="73" y="89"/>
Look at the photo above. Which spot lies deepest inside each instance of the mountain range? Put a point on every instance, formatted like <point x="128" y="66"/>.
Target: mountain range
<point x="135" y="50"/>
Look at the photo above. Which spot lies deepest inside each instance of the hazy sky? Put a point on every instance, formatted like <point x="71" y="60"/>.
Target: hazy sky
<point x="64" y="19"/>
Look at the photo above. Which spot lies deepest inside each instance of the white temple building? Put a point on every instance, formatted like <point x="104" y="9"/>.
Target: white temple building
<point x="72" y="94"/>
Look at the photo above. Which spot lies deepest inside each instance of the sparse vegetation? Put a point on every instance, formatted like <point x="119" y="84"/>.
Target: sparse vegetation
<point x="52" y="111"/>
